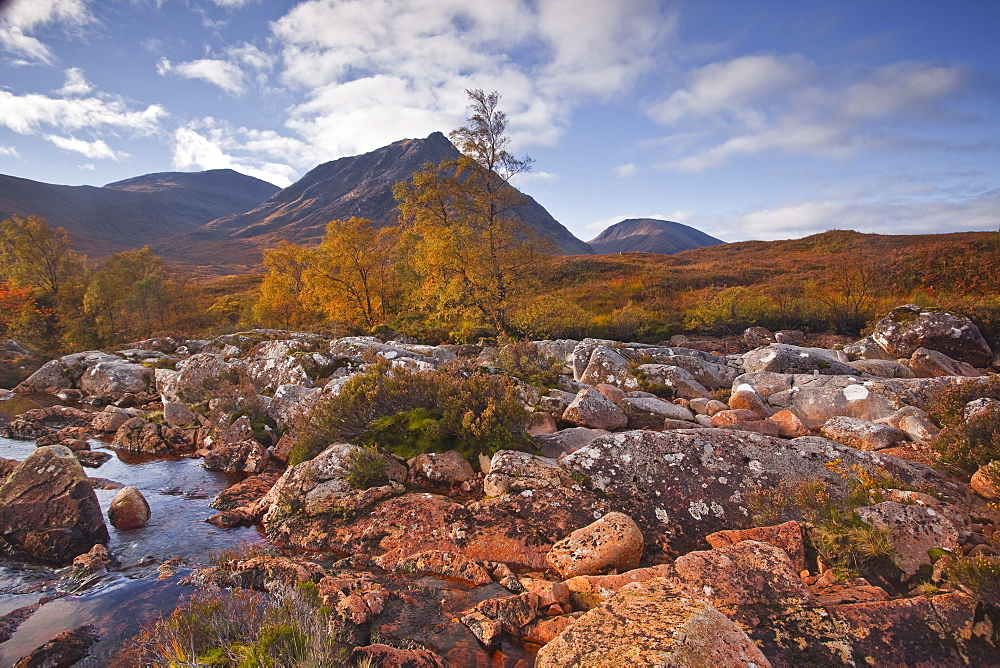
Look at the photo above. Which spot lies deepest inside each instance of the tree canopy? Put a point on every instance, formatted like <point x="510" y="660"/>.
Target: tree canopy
<point x="471" y="253"/>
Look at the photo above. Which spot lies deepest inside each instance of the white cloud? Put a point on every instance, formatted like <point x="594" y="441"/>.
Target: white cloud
<point x="97" y="149"/>
<point x="626" y="171"/>
<point x="221" y="73"/>
<point x="756" y="104"/>
<point x="76" y="84"/>
<point x="21" y="18"/>
<point x="28" y="114"/>
<point x="9" y="151"/>
<point x="203" y="145"/>
<point x="378" y="70"/>
<point x="232" y="4"/>
<point x="90" y="167"/>
<point x="886" y="215"/>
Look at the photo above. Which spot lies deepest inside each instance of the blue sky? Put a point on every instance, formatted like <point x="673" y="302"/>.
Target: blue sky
<point x="746" y="119"/>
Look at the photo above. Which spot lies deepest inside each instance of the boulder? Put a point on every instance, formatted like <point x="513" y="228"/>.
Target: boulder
<point x="789" y="425"/>
<point x="746" y="398"/>
<point x="112" y="379"/>
<point x="112" y="418"/>
<point x="48" y="508"/>
<point x="677" y="379"/>
<point x="682" y="485"/>
<point x="744" y="573"/>
<point x="193" y="380"/>
<point x="927" y="363"/>
<point x="610" y="367"/>
<point x="290" y="402"/>
<point x="614" y="541"/>
<point x="909" y="327"/>
<point x="712" y="375"/>
<point x="757" y="336"/>
<point x="986" y="481"/>
<point x="49" y="379"/>
<point x="861" y="434"/>
<point x="652" y="624"/>
<point x="781" y="358"/>
<point x="567" y="440"/>
<point x="513" y="472"/>
<point x="137" y="435"/>
<point x="65" y="649"/>
<point x="867" y="349"/>
<point x="246" y="456"/>
<point x="178" y="415"/>
<point x="650" y="412"/>
<point x="787" y="536"/>
<point x="591" y="409"/>
<point x="129" y="509"/>
<point x="445" y="468"/>
<point x="914" y="530"/>
<point x="451" y="566"/>
<point x="883" y="368"/>
<point x="589" y="591"/>
<point x="922" y="631"/>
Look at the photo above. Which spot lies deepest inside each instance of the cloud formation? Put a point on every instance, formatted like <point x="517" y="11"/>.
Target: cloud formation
<point x="208" y="144"/>
<point x="29" y="114"/>
<point x="21" y="18"/>
<point x="788" y="104"/>
<point x="221" y="73"/>
<point x="394" y="68"/>
<point x="97" y="149"/>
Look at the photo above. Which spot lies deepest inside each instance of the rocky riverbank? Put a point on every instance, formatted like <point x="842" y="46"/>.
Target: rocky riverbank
<point x="634" y="503"/>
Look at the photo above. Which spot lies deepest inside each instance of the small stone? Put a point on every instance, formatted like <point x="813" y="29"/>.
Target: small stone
<point x="129" y="509"/>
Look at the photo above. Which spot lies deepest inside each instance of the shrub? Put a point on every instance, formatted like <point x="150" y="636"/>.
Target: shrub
<point x="241" y="628"/>
<point x="410" y="412"/>
<point x="522" y="360"/>
<point x="837" y="533"/>
<point x="978" y="575"/>
<point x="963" y="446"/>
<point x="365" y="468"/>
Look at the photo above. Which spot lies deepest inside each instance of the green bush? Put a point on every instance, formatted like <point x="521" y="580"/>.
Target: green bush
<point x="978" y="575"/>
<point x="962" y="447"/>
<point x="835" y="531"/>
<point x="522" y="360"/>
<point x="241" y="628"/>
<point x="365" y="468"/>
<point x="410" y="412"/>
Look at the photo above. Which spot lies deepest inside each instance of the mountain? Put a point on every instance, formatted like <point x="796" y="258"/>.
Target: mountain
<point x="134" y="212"/>
<point x="358" y="185"/>
<point x="650" y="235"/>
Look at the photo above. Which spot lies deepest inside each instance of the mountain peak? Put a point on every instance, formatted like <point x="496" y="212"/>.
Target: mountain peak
<point x="650" y="235"/>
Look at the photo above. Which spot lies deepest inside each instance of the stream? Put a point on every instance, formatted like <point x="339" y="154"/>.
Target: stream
<point x="178" y="491"/>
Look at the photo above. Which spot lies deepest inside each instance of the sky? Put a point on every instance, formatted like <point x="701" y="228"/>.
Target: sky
<point x="748" y="119"/>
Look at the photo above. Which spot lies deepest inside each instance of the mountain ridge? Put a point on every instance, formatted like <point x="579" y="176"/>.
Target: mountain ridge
<point x="650" y="235"/>
<point x="134" y="212"/>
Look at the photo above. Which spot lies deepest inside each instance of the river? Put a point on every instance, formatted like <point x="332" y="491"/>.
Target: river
<point x="118" y="604"/>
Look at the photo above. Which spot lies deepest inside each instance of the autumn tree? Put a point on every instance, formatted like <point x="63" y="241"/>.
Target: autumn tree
<point x="351" y="275"/>
<point x="283" y="300"/>
<point x="34" y="253"/>
<point x="471" y="252"/>
<point x="128" y="296"/>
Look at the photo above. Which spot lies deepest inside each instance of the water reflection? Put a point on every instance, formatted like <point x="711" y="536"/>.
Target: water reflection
<point x="178" y="491"/>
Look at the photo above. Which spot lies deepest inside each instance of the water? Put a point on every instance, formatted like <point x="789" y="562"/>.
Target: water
<point x="178" y="491"/>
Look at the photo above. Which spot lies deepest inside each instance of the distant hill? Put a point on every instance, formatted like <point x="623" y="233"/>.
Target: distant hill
<point x="650" y="235"/>
<point x="134" y="212"/>
<point x="358" y="185"/>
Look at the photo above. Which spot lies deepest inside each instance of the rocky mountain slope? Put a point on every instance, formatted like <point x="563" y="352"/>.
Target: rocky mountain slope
<point x="763" y="509"/>
<point x="133" y="212"/>
<point x="650" y="235"/>
<point x="358" y="185"/>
